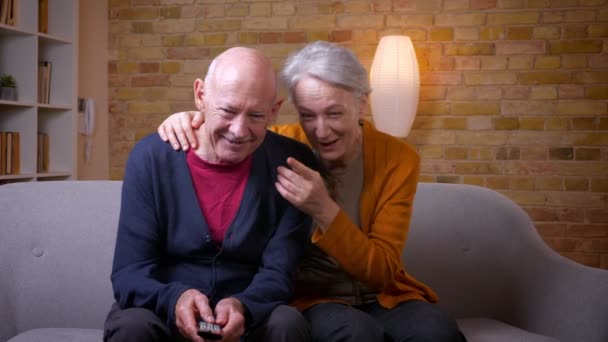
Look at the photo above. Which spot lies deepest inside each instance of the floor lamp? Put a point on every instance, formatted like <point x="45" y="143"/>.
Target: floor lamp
<point x="395" y="83"/>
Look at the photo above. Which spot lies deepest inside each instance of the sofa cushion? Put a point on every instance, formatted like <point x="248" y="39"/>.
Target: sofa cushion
<point x="489" y="330"/>
<point x="59" y="335"/>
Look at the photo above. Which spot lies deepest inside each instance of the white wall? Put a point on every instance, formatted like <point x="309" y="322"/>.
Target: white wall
<point x="93" y="83"/>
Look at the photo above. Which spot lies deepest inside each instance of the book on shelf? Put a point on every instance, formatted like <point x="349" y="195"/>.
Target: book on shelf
<point x="2" y="153"/>
<point x="43" y="16"/>
<point x="10" y="153"/>
<point x="43" y="152"/>
<point x="9" y="12"/>
<point x="44" y="82"/>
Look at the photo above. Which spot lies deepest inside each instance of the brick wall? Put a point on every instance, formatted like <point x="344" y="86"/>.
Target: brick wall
<point x="514" y="93"/>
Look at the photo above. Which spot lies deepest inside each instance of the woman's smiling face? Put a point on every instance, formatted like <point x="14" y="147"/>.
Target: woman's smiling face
<point x="330" y="117"/>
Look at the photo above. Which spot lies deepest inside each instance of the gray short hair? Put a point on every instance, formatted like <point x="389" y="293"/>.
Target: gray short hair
<point x="328" y="62"/>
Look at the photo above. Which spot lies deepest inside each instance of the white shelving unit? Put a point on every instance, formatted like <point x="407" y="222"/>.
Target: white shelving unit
<point x="21" y="47"/>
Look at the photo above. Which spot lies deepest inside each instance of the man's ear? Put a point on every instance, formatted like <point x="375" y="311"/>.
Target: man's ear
<point x="275" y="110"/>
<point x="199" y="93"/>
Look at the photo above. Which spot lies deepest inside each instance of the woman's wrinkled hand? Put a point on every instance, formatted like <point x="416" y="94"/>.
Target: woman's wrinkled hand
<point x="305" y="189"/>
<point x="179" y="128"/>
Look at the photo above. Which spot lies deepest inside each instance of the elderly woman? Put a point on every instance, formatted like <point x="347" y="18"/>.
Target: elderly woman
<point x="352" y="286"/>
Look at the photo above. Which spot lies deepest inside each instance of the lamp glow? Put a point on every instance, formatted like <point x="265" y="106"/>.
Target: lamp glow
<point x="395" y="83"/>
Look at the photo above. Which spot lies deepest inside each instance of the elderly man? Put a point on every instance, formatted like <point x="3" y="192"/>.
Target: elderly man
<point x="203" y="235"/>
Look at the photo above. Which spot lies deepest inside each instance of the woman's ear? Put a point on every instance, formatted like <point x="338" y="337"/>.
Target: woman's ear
<point x="199" y="93"/>
<point x="363" y="106"/>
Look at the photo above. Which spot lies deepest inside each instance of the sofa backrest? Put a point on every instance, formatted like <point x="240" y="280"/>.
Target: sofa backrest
<point x="472" y="245"/>
<point x="57" y="246"/>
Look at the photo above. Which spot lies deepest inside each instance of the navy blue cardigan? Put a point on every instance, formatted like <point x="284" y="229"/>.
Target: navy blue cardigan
<point x="164" y="246"/>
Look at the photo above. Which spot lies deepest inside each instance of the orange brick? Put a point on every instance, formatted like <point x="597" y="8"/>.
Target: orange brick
<point x="469" y="49"/>
<point x="581" y="107"/>
<point x="431" y="151"/>
<point x="532" y="123"/>
<point x="587" y="77"/>
<point x="448" y="179"/>
<point x="150" y="81"/>
<point x="458" y="19"/>
<point x="475" y="108"/>
<point x="479" y="123"/>
<point x="172" y="12"/>
<point x="481" y="153"/>
<point x="170" y="67"/>
<point x="490" y="78"/>
<point x="542" y="214"/>
<point x="323" y="35"/>
<point x="574" y="199"/>
<point x="493" y="62"/>
<point x="576" y="184"/>
<point x="283" y="9"/>
<point x="150" y="67"/>
<point x="481" y="138"/>
<point x="520" y="62"/>
<point x="558" y="124"/>
<point x="574" y="31"/>
<point x="544" y="77"/>
<point x="442" y="34"/>
<point x="519" y="33"/>
<point x="526" y="198"/>
<point x="522" y="183"/>
<point x="570" y="91"/>
<point x="142" y="27"/>
<point x="477" y="168"/>
<point x="410" y="19"/>
<point x="497" y="182"/>
<point x="583" y="124"/>
<point x="141" y="13"/>
<point x="508" y="153"/>
<point x="574" y="61"/>
<point x="598" y="30"/>
<point x="546" y="32"/>
<point x="599" y="185"/>
<point x="473" y="180"/>
<point x="506" y="123"/>
<point x="466" y="33"/>
<point x="514" y="18"/>
<point x="219" y="25"/>
<point x="527" y="108"/>
<point x="456" y="153"/>
<point x="547" y="62"/>
<point x="455" y="123"/>
<point x="175" y="40"/>
<point x="427" y="122"/>
<point x="549" y="183"/>
<point x="575" y="46"/>
<point x="248" y="37"/>
<point x="264" y="23"/>
<point x="260" y="10"/>
<point x="544" y="93"/>
<point x="492" y="33"/>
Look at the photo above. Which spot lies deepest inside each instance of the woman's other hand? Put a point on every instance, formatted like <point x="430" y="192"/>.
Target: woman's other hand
<point x="304" y="188"/>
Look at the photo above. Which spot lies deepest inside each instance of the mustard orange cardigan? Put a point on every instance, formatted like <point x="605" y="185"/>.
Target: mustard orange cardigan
<point x="372" y="254"/>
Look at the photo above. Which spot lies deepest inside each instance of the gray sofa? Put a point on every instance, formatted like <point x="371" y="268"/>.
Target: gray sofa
<point x="476" y="248"/>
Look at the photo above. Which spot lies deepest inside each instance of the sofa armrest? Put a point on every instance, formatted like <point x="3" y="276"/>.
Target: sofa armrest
<point x="484" y="257"/>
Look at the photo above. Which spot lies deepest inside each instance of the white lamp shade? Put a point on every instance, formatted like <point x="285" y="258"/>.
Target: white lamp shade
<point x="395" y="83"/>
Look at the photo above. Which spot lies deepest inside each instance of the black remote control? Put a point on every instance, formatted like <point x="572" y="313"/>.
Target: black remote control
<point x="209" y="331"/>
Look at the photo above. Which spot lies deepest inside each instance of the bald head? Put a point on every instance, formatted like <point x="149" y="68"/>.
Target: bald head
<point x="240" y="64"/>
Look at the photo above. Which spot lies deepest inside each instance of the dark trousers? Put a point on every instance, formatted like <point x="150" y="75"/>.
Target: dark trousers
<point x="284" y="324"/>
<point x="412" y="320"/>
